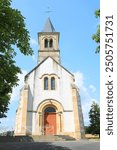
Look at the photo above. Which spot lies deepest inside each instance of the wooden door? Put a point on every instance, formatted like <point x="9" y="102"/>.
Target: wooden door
<point x="50" y="123"/>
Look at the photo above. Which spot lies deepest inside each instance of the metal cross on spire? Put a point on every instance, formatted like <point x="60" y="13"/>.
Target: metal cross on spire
<point x="48" y="10"/>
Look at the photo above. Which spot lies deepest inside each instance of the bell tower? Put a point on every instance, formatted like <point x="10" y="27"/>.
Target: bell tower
<point x="48" y="41"/>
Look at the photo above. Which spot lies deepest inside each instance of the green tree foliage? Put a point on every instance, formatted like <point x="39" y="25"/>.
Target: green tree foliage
<point x="94" y="116"/>
<point x="96" y="36"/>
<point x="12" y="32"/>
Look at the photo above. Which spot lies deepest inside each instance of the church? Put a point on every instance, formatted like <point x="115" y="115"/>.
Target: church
<point x="49" y="102"/>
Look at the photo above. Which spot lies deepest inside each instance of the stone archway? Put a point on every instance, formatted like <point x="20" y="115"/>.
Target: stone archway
<point x="57" y="116"/>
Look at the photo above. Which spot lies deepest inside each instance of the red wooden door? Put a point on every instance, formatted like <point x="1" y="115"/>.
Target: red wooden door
<point x="50" y="123"/>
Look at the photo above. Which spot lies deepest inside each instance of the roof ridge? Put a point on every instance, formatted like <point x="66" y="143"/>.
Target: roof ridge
<point x="43" y="61"/>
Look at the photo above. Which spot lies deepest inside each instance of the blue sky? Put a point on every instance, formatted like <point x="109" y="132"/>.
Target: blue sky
<point x="76" y="22"/>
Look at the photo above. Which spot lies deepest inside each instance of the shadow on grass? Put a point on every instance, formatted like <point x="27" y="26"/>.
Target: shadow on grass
<point x="31" y="146"/>
<point x="15" y="139"/>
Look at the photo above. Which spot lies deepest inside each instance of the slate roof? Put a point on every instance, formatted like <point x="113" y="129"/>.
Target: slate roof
<point x="48" y="26"/>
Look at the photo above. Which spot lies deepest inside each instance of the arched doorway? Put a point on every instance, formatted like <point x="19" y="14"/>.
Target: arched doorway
<point x="50" y="120"/>
<point x="43" y="109"/>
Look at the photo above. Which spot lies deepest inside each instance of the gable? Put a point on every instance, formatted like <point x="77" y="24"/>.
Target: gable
<point x="47" y="63"/>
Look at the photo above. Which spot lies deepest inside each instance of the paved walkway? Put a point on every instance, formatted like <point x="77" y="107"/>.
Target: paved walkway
<point x="71" y="145"/>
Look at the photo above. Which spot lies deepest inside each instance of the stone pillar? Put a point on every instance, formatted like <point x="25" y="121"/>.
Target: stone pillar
<point x="24" y="110"/>
<point x="76" y="114"/>
<point x="40" y="124"/>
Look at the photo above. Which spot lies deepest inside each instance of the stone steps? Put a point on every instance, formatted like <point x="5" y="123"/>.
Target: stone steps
<point x="46" y="138"/>
<point x="66" y="137"/>
<point x="51" y="138"/>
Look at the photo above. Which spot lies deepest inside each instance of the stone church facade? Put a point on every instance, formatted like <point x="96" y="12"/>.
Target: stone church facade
<point x="49" y="101"/>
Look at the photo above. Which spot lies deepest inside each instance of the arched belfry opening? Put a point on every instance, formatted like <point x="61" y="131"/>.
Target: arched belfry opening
<point x="46" y="43"/>
<point x="51" y="43"/>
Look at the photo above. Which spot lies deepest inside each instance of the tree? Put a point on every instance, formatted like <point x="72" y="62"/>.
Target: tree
<point x="12" y="32"/>
<point x="94" y="116"/>
<point x="96" y="36"/>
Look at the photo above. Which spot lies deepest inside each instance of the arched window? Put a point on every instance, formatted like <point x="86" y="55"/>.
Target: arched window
<point x="46" y="43"/>
<point x="46" y="83"/>
<point x="51" y="43"/>
<point x="52" y="83"/>
<point x="49" y="109"/>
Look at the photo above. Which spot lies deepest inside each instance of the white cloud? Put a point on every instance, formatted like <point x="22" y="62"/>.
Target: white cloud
<point x="93" y="88"/>
<point x="33" y="42"/>
<point x="79" y="80"/>
<point x="86" y="96"/>
<point x="34" y="58"/>
<point x="15" y="93"/>
<point x="7" y="124"/>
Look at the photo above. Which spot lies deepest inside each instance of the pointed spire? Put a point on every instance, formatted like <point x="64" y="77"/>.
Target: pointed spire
<point x="48" y="26"/>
